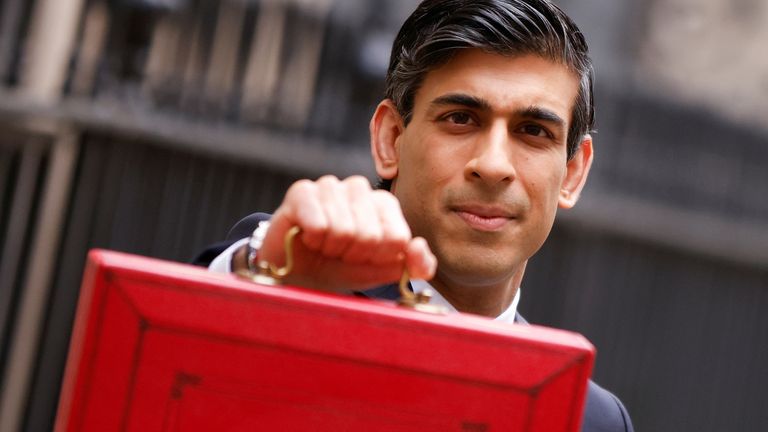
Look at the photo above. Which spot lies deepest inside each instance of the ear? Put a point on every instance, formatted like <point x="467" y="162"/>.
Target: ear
<point x="386" y="129"/>
<point x="577" y="170"/>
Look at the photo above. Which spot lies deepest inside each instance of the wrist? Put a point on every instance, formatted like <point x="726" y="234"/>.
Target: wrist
<point x="239" y="260"/>
<point x="253" y="247"/>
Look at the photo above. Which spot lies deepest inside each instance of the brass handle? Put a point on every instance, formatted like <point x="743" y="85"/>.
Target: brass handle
<point x="270" y="274"/>
<point x="417" y="301"/>
<point x="274" y="271"/>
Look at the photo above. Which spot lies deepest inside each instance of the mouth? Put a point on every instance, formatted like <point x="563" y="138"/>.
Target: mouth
<point x="484" y="218"/>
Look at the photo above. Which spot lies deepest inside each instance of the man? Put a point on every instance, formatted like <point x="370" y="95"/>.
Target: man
<point x="483" y="134"/>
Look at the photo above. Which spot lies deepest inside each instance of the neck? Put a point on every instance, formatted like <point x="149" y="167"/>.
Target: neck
<point x="487" y="300"/>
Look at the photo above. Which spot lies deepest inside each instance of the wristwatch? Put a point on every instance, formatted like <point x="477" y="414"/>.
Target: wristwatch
<point x="254" y="244"/>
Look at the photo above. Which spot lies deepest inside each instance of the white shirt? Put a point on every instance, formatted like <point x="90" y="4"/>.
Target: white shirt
<point x="508" y="316"/>
<point x="223" y="264"/>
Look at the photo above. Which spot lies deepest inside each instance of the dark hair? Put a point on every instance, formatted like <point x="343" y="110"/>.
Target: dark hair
<point x="438" y="28"/>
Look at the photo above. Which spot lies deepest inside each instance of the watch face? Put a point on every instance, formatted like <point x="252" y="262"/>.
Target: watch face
<point x="257" y="238"/>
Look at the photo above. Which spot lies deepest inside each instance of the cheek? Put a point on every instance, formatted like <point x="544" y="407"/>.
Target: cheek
<point x="432" y="162"/>
<point x="547" y="187"/>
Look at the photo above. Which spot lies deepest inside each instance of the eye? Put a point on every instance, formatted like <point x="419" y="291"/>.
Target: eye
<point x="534" y="130"/>
<point x="459" y="118"/>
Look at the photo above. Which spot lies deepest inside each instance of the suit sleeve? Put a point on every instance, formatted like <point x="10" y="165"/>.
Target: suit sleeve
<point x="604" y="412"/>
<point x="241" y="230"/>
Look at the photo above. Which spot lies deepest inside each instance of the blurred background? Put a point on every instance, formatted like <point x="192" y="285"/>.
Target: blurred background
<point x="151" y="126"/>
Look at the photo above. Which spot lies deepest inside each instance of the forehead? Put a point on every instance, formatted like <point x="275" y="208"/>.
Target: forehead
<point x="506" y="82"/>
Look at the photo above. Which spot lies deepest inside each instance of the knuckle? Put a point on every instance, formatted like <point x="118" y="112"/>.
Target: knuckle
<point x="369" y="238"/>
<point x="357" y="190"/>
<point x="315" y="229"/>
<point x="358" y="181"/>
<point x="343" y="231"/>
<point x="301" y="188"/>
<point x="399" y="238"/>
<point x="328" y="180"/>
<point x="386" y="198"/>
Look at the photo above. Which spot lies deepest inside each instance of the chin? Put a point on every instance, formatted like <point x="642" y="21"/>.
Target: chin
<point x="477" y="269"/>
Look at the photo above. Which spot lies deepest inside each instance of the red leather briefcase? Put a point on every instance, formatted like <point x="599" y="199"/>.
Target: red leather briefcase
<point x="159" y="346"/>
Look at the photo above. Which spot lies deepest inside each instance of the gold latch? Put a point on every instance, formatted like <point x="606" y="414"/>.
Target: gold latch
<point x="417" y="301"/>
<point x="270" y="274"/>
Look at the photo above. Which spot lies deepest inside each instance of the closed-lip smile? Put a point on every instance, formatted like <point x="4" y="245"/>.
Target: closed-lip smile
<point x="483" y="217"/>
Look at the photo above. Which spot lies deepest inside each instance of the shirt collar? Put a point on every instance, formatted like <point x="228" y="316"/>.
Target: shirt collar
<point x="508" y="316"/>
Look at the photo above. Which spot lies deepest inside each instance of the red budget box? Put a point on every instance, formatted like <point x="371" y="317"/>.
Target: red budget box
<point x="160" y="346"/>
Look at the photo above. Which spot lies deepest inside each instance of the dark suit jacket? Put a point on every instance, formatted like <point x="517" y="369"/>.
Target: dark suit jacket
<point x="604" y="412"/>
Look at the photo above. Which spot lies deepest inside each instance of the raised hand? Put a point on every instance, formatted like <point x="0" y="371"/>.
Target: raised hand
<point x="352" y="237"/>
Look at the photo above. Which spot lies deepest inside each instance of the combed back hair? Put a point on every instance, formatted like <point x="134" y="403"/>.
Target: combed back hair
<point x="437" y="29"/>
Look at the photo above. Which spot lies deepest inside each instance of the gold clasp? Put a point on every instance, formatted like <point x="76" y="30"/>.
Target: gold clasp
<point x="270" y="274"/>
<point x="417" y="301"/>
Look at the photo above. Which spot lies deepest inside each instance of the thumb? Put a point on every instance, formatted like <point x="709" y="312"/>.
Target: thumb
<point x="419" y="259"/>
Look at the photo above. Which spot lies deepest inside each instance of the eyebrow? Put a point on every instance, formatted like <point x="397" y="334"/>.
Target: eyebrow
<point x="543" y="114"/>
<point x="463" y="100"/>
<point x="532" y="112"/>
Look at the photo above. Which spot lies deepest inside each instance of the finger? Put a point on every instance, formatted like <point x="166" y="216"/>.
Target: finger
<point x="368" y="232"/>
<point x="395" y="231"/>
<point x="302" y="207"/>
<point x="420" y="261"/>
<point x="341" y="223"/>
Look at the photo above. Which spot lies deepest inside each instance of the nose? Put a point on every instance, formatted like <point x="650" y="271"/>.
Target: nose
<point x="491" y="162"/>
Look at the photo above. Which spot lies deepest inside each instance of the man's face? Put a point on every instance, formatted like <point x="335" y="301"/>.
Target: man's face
<point x="482" y="165"/>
